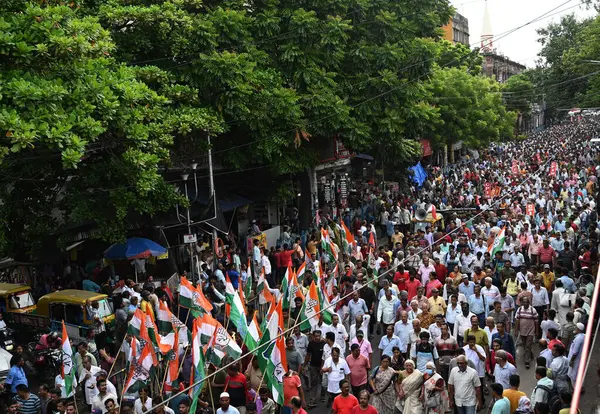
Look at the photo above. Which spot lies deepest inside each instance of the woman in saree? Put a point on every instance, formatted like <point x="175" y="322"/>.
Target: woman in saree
<point x="435" y="397"/>
<point x="382" y="382"/>
<point x="410" y="388"/>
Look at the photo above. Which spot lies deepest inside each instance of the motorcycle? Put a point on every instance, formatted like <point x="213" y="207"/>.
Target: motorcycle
<point x="45" y="360"/>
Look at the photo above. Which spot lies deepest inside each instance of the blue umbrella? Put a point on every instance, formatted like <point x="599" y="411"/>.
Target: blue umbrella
<point x="134" y="248"/>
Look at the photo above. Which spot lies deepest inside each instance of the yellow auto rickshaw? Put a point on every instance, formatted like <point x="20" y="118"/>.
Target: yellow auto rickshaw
<point x="70" y="305"/>
<point x="15" y="298"/>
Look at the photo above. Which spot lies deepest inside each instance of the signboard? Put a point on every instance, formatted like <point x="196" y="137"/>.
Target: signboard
<point x="530" y="211"/>
<point x="515" y="167"/>
<point x="28" y="319"/>
<point x="262" y="241"/>
<point x="427" y="150"/>
<point x="553" y="168"/>
<point x="340" y="150"/>
<point x="190" y="238"/>
<point x="487" y="188"/>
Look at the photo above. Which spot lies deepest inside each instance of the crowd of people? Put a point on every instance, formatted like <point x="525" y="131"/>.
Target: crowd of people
<point x="424" y="320"/>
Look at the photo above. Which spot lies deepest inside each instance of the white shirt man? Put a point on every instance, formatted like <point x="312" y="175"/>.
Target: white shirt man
<point x="464" y="383"/>
<point x="341" y="335"/>
<point x="336" y="371"/>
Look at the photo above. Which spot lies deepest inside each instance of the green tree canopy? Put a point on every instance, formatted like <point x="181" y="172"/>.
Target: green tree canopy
<point x="83" y="136"/>
<point x="470" y="109"/>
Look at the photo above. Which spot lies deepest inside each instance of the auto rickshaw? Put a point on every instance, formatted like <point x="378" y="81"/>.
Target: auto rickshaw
<point x="70" y="305"/>
<point x="15" y="298"/>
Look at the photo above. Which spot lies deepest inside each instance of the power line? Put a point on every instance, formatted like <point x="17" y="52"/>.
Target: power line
<point x="501" y="198"/>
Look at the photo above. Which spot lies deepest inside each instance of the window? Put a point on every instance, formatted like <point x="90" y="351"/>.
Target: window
<point x="21" y="300"/>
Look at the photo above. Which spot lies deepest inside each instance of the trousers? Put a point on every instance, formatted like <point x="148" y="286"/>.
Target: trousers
<point x="314" y="387"/>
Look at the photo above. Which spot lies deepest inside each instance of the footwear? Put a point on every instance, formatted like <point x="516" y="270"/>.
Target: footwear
<point x="527" y="365"/>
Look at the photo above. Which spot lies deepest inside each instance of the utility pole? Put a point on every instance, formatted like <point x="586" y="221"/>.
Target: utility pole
<point x="212" y="193"/>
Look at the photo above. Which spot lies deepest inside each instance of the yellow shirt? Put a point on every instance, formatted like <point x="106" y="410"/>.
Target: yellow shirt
<point x="513" y="396"/>
<point x="397" y="238"/>
<point x="480" y="335"/>
<point x="437" y="306"/>
<point x="548" y="279"/>
<point x="512" y="287"/>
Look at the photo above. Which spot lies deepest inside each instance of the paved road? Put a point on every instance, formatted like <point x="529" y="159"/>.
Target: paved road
<point x="528" y="381"/>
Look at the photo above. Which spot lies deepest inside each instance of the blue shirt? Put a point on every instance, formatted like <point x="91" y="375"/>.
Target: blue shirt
<point x="234" y="278"/>
<point x="90" y="286"/>
<point x="501" y="406"/>
<point x="467" y="290"/>
<point x="386" y="344"/>
<point x="476" y="304"/>
<point x="16" y="376"/>
<point x="568" y="283"/>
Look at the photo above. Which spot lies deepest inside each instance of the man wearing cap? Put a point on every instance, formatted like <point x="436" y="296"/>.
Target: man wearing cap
<point x="575" y="352"/>
<point x="547" y="277"/>
<point x="365" y="347"/>
<point x="225" y="408"/>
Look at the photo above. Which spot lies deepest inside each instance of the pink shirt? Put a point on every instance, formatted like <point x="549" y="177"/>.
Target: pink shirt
<point x="365" y="347"/>
<point x="359" y="368"/>
<point x="435" y="284"/>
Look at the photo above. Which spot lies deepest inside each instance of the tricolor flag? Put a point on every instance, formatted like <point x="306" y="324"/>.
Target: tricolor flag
<point x="273" y="355"/>
<point x="285" y="286"/>
<point x="198" y="363"/>
<point x="310" y="309"/>
<point x="294" y="290"/>
<point x="235" y="309"/>
<point x="253" y="334"/>
<point x="349" y="238"/>
<point x="328" y="246"/>
<point x="139" y="369"/>
<point x="173" y="365"/>
<point x="248" y="283"/>
<point x="300" y="273"/>
<point x="192" y="297"/>
<point x="138" y="327"/>
<point x="498" y="243"/>
<point x="68" y="370"/>
<point x="262" y="288"/>
<point x="167" y="323"/>
<point x="220" y="343"/>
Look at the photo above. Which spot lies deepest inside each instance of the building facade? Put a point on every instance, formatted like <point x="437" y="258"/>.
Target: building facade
<point x="457" y="30"/>
<point x="500" y="67"/>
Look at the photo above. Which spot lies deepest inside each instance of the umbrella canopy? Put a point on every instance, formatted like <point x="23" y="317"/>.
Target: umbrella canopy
<point x="134" y="248"/>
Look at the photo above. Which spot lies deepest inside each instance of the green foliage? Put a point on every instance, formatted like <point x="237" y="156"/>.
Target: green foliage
<point x="469" y="108"/>
<point x="519" y="93"/>
<point x="83" y="136"/>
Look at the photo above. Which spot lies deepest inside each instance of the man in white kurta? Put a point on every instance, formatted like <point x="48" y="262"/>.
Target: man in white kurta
<point x="88" y="380"/>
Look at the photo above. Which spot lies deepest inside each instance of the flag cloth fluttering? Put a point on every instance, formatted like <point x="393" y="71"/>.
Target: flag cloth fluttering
<point x="68" y="369"/>
<point x="272" y="357"/>
<point x="235" y="309"/>
<point x="498" y="243"/>
<point x="193" y="298"/>
<point x="139" y="369"/>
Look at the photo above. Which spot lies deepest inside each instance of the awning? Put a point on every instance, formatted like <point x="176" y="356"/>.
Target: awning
<point x="364" y="157"/>
<point x="74" y="245"/>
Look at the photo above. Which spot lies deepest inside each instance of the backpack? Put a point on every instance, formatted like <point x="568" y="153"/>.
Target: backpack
<point x="584" y="316"/>
<point x="551" y="394"/>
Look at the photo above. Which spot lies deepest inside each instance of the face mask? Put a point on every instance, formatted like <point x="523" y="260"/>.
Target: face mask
<point x="429" y="371"/>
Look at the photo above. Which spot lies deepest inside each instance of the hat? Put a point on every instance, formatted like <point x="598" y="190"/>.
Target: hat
<point x="580" y="326"/>
<point x="465" y="276"/>
<point x="547" y="266"/>
<point x="224" y="395"/>
<point x="360" y="333"/>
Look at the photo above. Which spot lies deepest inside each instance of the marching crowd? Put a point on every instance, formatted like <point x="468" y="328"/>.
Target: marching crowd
<point x="427" y="321"/>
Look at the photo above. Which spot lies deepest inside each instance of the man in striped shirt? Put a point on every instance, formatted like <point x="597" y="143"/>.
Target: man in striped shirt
<point x="525" y="326"/>
<point x="30" y="403"/>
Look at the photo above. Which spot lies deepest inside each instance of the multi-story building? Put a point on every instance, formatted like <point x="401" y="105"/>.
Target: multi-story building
<point x="457" y="30"/>
<point x="500" y="67"/>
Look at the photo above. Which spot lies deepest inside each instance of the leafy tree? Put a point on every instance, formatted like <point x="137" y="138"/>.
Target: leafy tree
<point x="519" y="93"/>
<point x="470" y="109"/>
<point x="84" y="137"/>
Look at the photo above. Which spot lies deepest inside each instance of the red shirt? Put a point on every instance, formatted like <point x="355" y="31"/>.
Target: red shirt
<point x="236" y="387"/>
<point x="344" y="405"/>
<point x="370" y="410"/>
<point x="411" y="287"/>
<point x="401" y="283"/>
<point x="441" y="272"/>
<point x="290" y="388"/>
<point x="546" y="254"/>
<point x="286" y="258"/>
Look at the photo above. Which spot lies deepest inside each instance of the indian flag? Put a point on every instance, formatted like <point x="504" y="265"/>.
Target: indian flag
<point x="192" y="298"/>
<point x="300" y="272"/>
<point x="294" y="291"/>
<point x="167" y="322"/>
<point x="310" y="309"/>
<point x="253" y="334"/>
<point x="235" y="309"/>
<point x="198" y="373"/>
<point x="328" y="246"/>
<point x="139" y="370"/>
<point x="264" y="293"/>
<point x="285" y="285"/>
<point x="349" y="238"/>
<point x="248" y="284"/>
<point x="67" y="372"/>
<point x="273" y="355"/>
<point x="173" y="365"/>
<point x="498" y="243"/>
<point x="221" y="345"/>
